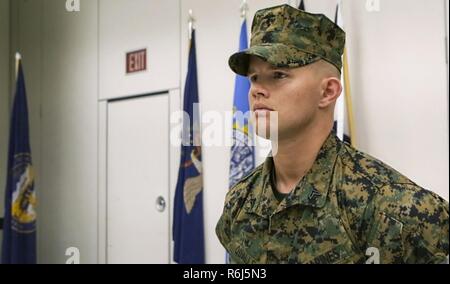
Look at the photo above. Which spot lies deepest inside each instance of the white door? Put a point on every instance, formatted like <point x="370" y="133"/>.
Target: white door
<point x="138" y="180"/>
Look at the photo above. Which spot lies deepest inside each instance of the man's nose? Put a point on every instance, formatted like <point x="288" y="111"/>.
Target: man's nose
<point x="258" y="90"/>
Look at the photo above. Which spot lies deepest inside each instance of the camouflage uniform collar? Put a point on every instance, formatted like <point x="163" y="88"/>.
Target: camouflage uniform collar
<point x="312" y="190"/>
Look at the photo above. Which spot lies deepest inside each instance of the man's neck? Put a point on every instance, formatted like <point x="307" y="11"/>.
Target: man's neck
<point x="296" y="155"/>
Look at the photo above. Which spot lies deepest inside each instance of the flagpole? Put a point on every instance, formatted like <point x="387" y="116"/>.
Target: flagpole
<point x="346" y="75"/>
<point x="18" y="58"/>
<point x="348" y="101"/>
<point x="244" y="9"/>
<point x="191" y="21"/>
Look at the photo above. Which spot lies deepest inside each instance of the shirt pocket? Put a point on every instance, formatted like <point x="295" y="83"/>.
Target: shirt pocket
<point x="338" y="255"/>
<point x="329" y="243"/>
<point x="384" y="243"/>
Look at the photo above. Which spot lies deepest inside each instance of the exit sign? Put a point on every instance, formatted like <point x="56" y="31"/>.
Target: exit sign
<point x="136" y="61"/>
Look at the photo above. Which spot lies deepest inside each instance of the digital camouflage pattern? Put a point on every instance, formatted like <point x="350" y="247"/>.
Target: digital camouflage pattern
<point x="287" y="37"/>
<point x="349" y="208"/>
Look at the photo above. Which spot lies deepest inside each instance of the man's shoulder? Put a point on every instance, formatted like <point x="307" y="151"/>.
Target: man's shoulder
<point x="377" y="195"/>
<point x="417" y="216"/>
<point x="365" y="175"/>
<point x="370" y="185"/>
<point x="364" y="168"/>
<point x="410" y="203"/>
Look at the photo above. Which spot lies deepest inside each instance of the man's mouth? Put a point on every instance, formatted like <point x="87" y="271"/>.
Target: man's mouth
<point x="262" y="112"/>
<point x="261" y="109"/>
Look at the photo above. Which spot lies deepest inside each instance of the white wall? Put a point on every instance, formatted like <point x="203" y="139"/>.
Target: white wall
<point x="445" y="7"/>
<point x="69" y="132"/>
<point x="398" y="75"/>
<point x="142" y="29"/>
<point x="59" y="52"/>
<point x="4" y="99"/>
<point x="397" y="69"/>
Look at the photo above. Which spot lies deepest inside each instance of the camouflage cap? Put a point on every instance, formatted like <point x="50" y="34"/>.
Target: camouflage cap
<point x="287" y="37"/>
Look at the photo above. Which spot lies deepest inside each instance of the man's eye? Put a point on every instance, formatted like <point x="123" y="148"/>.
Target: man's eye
<point x="279" y="75"/>
<point x="253" y="78"/>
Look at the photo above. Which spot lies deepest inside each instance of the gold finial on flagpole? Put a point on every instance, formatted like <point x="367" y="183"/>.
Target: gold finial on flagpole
<point x="18" y="58"/>
<point x="244" y="9"/>
<point x="191" y="21"/>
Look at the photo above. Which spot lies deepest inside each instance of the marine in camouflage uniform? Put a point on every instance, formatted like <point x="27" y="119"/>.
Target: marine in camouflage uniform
<point x="349" y="207"/>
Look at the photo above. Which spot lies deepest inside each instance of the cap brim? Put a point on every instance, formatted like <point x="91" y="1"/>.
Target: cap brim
<point x="278" y="55"/>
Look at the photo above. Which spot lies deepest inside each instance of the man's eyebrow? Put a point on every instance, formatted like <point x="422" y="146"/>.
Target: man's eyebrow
<point x="279" y="68"/>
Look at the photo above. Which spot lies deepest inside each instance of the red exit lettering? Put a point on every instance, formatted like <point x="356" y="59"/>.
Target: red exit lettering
<point x="137" y="61"/>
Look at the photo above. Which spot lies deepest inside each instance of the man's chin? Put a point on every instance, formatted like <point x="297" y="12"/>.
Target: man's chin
<point x="267" y="126"/>
<point x="270" y="133"/>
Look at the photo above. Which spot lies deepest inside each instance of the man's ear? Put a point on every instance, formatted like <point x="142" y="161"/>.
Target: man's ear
<point x="331" y="89"/>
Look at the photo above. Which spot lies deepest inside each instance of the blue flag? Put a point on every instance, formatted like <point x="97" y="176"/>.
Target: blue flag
<point x="242" y="159"/>
<point x="19" y="231"/>
<point x="188" y="232"/>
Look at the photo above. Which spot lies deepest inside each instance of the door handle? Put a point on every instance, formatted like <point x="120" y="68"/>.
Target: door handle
<point x="160" y="204"/>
